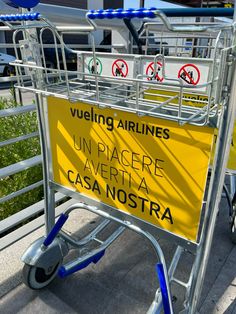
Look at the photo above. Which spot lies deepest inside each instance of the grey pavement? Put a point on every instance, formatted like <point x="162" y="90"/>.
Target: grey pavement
<point x="4" y="93"/>
<point x="123" y="281"/>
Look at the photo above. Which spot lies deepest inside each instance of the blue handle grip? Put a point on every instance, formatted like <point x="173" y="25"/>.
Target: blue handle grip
<point x="163" y="287"/>
<point x="55" y="230"/>
<point x="150" y="13"/>
<point x="121" y="13"/>
<point x="20" y="17"/>
<point x="94" y="259"/>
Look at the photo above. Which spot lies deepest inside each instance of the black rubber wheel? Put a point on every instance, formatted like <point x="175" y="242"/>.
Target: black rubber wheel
<point x="37" y="278"/>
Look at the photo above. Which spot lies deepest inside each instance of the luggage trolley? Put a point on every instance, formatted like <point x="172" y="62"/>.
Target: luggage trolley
<point x="130" y="158"/>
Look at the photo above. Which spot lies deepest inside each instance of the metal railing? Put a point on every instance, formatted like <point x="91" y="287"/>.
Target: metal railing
<point x="11" y="229"/>
<point x="19" y="166"/>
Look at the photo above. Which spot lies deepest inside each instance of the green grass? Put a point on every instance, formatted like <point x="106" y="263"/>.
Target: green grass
<point x="13" y="127"/>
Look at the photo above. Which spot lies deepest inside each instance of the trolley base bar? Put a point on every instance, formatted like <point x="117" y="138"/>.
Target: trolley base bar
<point x="63" y="271"/>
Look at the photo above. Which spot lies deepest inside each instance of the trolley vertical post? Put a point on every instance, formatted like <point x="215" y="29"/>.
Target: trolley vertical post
<point x="216" y="186"/>
<point x="31" y="37"/>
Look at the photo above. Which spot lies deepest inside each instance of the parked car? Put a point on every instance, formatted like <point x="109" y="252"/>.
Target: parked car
<point x="154" y="46"/>
<point x="51" y="61"/>
<point x="5" y="68"/>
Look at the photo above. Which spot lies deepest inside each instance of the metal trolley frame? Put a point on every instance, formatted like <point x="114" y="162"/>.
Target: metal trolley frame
<point x="131" y="95"/>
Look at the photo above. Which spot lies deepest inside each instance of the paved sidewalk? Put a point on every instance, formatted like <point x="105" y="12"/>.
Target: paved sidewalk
<point x="124" y="281"/>
<point x="27" y="97"/>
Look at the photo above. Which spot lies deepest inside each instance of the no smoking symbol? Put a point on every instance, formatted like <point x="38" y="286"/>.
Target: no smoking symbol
<point x="190" y="74"/>
<point x="150" y="72"/>
<point x="120" y="68"/>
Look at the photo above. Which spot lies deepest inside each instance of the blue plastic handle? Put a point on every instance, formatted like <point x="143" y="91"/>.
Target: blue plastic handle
<point x="55" y="230"/>
<point x="163" y="287"/>
<point x="150" y="13"/>
<point x="62" y="272"/>
<point x="121" y="13"/>
<point x="20" y="17"/>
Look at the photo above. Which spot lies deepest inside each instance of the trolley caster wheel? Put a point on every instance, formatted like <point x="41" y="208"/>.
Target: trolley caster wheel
<point x="37" y="278"/>
<point x="41" y="264"/>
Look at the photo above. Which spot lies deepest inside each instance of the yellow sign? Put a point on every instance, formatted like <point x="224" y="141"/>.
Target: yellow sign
<point x="193" y="100"/>
<point x="189" y="99"/>
<point x="231" y="165"/>
<point x="151" y="168"/>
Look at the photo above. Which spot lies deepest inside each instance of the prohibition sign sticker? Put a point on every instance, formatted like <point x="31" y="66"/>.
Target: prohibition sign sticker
<point x="150" y="71"/>
<point x="91" y="66"/>
<point x="120" y="68"/>
<point x="189" y="73"/>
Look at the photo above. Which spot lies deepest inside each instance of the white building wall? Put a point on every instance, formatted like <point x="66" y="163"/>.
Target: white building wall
<point x="96" y="5"/>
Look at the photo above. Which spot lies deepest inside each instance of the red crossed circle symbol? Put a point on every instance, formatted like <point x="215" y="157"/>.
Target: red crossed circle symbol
<point x="120" y="68"/>
<point x="189" y="73"/>
<point x="150" y="71"/>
